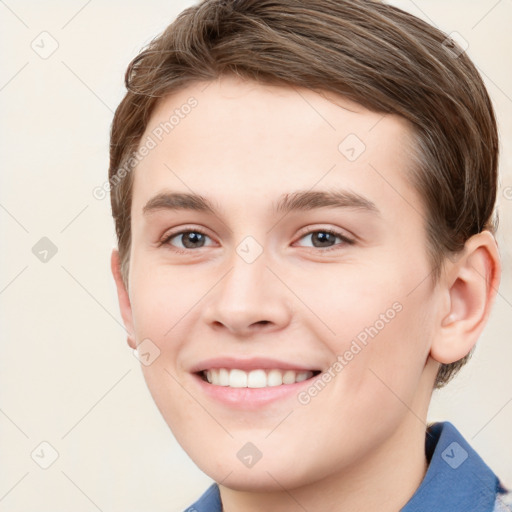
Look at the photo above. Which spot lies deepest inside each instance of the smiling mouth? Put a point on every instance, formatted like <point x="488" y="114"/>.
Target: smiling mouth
<point x="235" y="378"/>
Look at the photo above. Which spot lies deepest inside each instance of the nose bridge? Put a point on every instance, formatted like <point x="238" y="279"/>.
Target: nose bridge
<point x="249" y="294"/>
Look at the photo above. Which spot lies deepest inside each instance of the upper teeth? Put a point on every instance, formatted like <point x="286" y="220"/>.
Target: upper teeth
<point x="254" y="379"/>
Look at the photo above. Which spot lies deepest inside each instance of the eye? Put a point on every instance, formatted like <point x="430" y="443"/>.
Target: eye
<point x="187" y="240"/>
<point x="326" y="238"/>
<point x="191" y="239"/>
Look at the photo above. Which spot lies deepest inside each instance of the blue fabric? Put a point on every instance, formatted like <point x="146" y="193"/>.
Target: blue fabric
<point x="208" y="502"/>
<point x="457" y="479"/>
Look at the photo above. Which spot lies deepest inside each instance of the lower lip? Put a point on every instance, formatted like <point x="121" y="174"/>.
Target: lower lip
<point x="251" y="398"/>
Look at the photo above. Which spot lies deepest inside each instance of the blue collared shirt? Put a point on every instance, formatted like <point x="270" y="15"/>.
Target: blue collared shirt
<point x="457" y="479"/>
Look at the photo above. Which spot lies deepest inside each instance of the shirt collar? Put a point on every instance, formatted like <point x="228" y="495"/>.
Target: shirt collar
<point x="208" y="502"/>
<point x="456" y="479"/>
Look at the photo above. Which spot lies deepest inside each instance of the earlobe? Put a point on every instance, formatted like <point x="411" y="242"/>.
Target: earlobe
<point x="471" y="284"/>
<point x="123" y="297"/>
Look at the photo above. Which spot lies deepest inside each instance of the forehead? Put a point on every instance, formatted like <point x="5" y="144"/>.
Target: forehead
<point x="222" y="137"/>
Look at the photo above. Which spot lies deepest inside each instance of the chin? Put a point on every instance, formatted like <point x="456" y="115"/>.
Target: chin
<point x="271" y="475"/>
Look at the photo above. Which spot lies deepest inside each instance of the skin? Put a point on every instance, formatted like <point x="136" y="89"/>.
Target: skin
<point x="359" y="444"/>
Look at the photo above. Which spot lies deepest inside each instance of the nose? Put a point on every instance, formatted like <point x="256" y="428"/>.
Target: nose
<point x="249" y="298"/>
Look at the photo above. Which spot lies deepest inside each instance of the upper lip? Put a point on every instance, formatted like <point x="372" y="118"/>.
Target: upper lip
<point x="253" y="363"/>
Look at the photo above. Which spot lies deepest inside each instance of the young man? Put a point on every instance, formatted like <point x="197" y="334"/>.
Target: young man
<point x="303" y="196"/>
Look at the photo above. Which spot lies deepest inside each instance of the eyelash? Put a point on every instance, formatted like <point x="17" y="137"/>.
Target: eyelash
<point x="168" y="238"/>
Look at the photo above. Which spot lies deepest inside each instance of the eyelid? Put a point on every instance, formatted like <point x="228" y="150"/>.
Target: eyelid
<point x="182" y="230"/>
<point x="348" y="238"/>
<point x="337" y="232"/>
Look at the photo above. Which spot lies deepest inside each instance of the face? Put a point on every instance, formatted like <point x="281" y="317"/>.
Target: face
<point x="278" y="280"/>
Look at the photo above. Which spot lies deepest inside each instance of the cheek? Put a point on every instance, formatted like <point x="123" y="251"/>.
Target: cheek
<point x="160" y="318"/>
<point x="339" y="300"/>
<point x="162" y="301"/>
<point x="356" y="307"/>
<point x="395" y="344"/>
<point x="382" y="325"/>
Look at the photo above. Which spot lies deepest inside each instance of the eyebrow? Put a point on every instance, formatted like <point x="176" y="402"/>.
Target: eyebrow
<point x="294" y="201"/>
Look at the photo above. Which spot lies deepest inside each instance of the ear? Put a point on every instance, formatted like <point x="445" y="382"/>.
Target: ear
<point x="470" y="287"/>
<point x="123" y="297"/>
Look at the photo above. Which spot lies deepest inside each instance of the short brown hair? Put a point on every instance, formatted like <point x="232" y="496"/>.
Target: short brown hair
<point x="375" y="54"/>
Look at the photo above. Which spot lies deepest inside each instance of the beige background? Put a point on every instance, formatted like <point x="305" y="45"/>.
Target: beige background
<point x="67" y="376"/>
